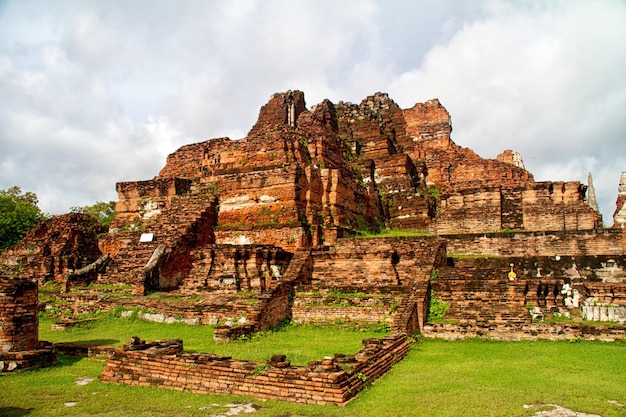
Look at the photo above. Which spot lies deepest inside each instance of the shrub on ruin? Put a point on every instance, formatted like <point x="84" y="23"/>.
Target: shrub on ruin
<point x="104" y="212"/>
<point x="436" y="309"/>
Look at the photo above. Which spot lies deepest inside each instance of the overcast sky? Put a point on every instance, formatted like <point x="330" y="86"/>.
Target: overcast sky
<point x="96" y="92"/>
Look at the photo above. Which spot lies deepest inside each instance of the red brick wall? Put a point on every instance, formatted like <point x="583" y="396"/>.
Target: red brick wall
<point x="19" y="327"/>
<point x="376" y="262"/>
<point x="527" y="331"/>
<point x="324" y="314"/>
<point x="603" y="242"/>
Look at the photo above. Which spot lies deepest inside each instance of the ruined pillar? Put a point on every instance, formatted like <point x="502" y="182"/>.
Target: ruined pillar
<point x="19" y="322"/>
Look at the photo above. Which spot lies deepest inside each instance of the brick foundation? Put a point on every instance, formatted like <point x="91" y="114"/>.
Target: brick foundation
<point x="329" y="381"/>
<point x="524" y="331"/>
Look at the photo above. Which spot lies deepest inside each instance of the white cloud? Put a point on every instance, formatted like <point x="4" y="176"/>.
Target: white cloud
<point x="98" y="92"/>
<point x="531" y="79"/>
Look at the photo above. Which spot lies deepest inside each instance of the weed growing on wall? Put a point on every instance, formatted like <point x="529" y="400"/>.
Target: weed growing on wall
<point x="436" y="309"/>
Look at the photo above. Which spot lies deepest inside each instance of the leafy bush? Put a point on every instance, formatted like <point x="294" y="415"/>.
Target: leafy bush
<point x="437" y="309"/>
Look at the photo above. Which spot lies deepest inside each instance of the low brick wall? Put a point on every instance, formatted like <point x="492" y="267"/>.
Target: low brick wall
<point x="329" y="381"/>
<point x="483" y="301"/>
<point x="328" y="307"/>
<point x="522" y="244"/>
<point x="221" y="307"/>
<point x="524" y="331"/>
<point x="324" y="314"/>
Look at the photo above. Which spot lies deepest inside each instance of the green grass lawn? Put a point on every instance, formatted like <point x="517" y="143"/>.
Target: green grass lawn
<point x="301" y="344"/>
<point x="438" y="378"/>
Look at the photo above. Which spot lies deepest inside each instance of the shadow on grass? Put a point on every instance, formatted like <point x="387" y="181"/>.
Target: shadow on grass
<point x="93" y="342"/>
<point x="14" y="411"/>
<point x="63" y="360"/>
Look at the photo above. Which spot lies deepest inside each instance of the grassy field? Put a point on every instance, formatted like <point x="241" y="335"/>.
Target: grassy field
<point x="438" y="378"/>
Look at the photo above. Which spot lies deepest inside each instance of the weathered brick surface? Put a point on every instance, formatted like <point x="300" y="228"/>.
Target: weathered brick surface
<point x="19" y="326"/>
<point x="574" y="243"/>
<point x="306" y="313"/>
<point x="405" y="199"/>
<point x="181" y="221"/>
<point x="42" y="357"/>
<point x="428" y="127"/>
<point x="399" y="267"/>
<point x="234" y="268"/>
<point x="577" y="269"/>
<point x="377" y="262"/>
<point x="526" y="331"/>
<point x="372" y="128"/>
<point x="558" y="206"/>
<point x="329" y="381"/>
<point x="484" y="300"/>
<point x="545" y="206"/>
<point x="54" y="247"/>
<point x="274" y="305"/>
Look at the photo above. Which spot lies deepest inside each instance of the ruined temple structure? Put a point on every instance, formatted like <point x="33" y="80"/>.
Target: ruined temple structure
<point x="56" y="247"/>
<point x="303" y="178"/>
<point x="261" y="228"/>
<point x="249" y="233"/>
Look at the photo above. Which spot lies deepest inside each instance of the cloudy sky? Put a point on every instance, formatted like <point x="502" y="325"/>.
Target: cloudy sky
<point x="95" y="92"/>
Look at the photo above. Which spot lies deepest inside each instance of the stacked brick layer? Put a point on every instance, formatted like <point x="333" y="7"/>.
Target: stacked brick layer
<point x="19" y="326"/>
<point x="525" y="331"/>
<point x="19" y="323"/>
<point x="329" y="381"/>
<point x="607" y="242"/>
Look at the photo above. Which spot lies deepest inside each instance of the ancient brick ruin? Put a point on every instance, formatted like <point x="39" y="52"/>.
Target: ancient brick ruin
<point x="262" y="229"/>
<point x="232" y="214"/>
<point x="20" y="347"/>
<point x="332" y="380"/>
<point x="56" y="247"/>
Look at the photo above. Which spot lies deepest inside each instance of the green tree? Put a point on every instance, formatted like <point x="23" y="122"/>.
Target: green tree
<point x="18" y="214"/>
<point x="104" y="212"/>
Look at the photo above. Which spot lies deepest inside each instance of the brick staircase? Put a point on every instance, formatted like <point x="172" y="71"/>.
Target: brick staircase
<point x="187" y="221"/>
